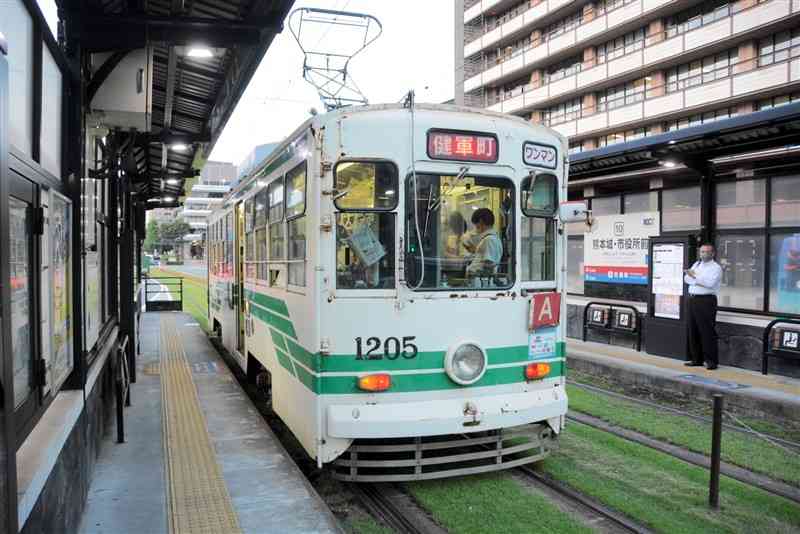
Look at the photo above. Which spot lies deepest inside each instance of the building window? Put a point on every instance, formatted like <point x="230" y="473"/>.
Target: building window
<point x="564" y="25"/>
<point x="698" y="16"/>
<point x="606" y="206"/>
<point x="17" y="26"/>
<point x="779" y="47"/>
<point x="742" y="259"/>
<point x="563" y="112"/>
<point x="680" y="209"/>
<point x="741" y="204"/>
<point x="700" y="71"/>
<point x="623" y="137"/>
<point x="641" y="202"/>
<point x="623" y="45"/>
<point x="562" y="69"/>
<point x="575" y="265"/>
<point x="604" y="6"/>
<point x="785" y="201"/>
<point x="777" y="101"/>
<point x="621" y="95"/>
<point x="700" y="118"/>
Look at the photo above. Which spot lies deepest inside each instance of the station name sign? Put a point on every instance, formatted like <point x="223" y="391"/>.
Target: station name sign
<point x="462" y="146"/>
<point x="538" y="155"/>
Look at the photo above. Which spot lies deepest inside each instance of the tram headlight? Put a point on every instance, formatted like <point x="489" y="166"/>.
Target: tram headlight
<point x="465" y="364"/>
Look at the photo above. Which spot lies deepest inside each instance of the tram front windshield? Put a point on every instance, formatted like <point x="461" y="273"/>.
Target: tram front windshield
<point x="462" y="232"/>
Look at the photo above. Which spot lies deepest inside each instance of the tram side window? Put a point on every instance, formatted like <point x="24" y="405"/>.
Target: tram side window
<point x="366" y="193"/>
<point x="249" y="255"/>
<point x="296" y="222"/>
<point x="466" y="232"/>
<point x="539" y="198"/>
<point x="261" y="233"/>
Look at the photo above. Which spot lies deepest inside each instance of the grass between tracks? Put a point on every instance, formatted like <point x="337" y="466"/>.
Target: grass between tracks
<point x="748" y="451"/>
<point x="660" y="491"/>
<point x="491" y="503"/>
<point x="195" y="293"/>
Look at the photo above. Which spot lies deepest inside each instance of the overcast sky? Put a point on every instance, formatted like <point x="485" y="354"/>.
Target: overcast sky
<point x="414" y="51"/>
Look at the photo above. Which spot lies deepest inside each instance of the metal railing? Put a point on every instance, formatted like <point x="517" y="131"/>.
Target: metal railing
<point x="163" y="293"/>
<point x="780" y="342"/>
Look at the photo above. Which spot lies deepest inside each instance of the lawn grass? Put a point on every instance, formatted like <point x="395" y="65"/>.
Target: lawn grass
<point x="660" y="491"/>
<point x="195" y="291"/>
<point x="786" y="429"/>
<point x="748" y="451"/>
<point x="491" y="503"/>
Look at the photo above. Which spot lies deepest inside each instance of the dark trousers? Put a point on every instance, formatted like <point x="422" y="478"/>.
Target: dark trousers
<point x="703" y="329"/>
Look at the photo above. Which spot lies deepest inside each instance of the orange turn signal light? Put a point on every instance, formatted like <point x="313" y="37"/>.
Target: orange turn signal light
<point x="379" y="382"/>
<point x="537" y="370"/>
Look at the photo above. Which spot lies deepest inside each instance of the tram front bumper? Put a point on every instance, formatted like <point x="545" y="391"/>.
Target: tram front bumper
<point x="445" y="416"/>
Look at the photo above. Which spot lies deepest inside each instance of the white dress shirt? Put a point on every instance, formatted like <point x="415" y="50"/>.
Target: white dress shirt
<point x="707" y="278"/>
<point x="488" y="252"/>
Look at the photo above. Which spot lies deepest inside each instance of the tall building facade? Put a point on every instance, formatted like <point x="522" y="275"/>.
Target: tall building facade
<point x="603" y="72"/>
<point x="621" y="77"/>
<point x="216" y="179"/>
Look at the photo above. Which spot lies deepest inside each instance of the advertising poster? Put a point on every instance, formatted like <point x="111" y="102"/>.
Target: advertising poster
<point x="60" y="263"/>
<point x="616" y="248"/>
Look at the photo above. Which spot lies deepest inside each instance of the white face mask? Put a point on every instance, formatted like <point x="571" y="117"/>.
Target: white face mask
<point x="706" y="255"/>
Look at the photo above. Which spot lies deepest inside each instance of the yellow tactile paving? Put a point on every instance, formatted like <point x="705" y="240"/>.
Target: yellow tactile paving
<point x="730" y="374"/>
<point x="197" y="497"/>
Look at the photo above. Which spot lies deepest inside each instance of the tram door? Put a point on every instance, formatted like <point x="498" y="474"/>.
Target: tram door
<point x="22" y="277"/>
<point x="238" y="261"/>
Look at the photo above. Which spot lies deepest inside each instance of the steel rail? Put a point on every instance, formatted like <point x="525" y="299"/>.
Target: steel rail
<point x="738" y="473"/>
<point x="585" y="502"/>
<point x="393" y="508"/>
<point x="677" y="411"/>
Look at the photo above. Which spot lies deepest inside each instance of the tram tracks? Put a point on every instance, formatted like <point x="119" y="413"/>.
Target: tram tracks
<point x="394" y="508"/>
<point x="669" y="409"/>
<point x="594" y="512"/>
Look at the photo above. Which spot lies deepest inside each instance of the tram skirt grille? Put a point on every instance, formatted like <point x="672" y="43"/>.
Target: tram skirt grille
<point x="426" y="458"/>
<point x="197" y="497"/>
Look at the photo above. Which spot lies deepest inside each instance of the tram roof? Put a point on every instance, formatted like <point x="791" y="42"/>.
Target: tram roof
<point x="192" y="98"/>
<point x="330" y="116"/>
<point x="695" y="146"/>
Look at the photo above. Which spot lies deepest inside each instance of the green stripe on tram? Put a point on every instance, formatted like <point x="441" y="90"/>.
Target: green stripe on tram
<point x="270" y="303"/>
<point x="274" y="320"/>
<point x="298" y="361"/>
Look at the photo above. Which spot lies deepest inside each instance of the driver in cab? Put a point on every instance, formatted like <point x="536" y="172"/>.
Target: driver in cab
<point x="484" y="245"/>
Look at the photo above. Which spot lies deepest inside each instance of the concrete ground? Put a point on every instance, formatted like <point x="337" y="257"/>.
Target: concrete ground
<point x="267" y="490"/>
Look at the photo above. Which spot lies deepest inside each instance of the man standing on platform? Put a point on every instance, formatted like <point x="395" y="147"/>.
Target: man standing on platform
<point x="703" y="279"/>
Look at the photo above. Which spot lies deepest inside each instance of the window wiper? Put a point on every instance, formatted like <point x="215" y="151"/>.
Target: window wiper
<point x="433" y="204"/>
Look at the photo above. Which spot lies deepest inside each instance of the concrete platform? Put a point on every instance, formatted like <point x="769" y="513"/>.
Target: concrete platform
<point x="771" y="395"/>
<point x="129" y="488"/>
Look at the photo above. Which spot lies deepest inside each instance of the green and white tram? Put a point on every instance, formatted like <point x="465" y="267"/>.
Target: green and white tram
<point x="397" y="339"/>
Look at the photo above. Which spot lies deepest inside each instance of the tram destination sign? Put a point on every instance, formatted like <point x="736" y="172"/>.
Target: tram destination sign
<point x="462" y="146"/>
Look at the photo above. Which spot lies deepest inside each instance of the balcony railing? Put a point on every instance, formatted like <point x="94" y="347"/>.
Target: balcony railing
<point x="742" y="78"/>
<point x="657" y="47"/>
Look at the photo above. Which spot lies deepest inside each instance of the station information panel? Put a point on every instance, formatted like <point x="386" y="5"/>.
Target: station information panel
<point x="666" y="324"/>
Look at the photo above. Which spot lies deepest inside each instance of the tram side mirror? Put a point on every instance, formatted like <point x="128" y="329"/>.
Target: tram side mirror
<point x="573" y="211"/>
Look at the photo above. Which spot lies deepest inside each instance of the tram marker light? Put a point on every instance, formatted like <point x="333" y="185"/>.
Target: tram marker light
<point x="534" y="371"/>
<point x="378" y="382"/>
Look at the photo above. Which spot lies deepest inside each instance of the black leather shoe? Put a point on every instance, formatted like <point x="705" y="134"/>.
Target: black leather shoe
<point x="711" y="366"/>
<point x="692" y="364"/>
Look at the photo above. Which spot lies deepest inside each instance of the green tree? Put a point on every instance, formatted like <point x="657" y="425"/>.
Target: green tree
<point x="152" y="236"/>
<point x="173" y="231"/>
